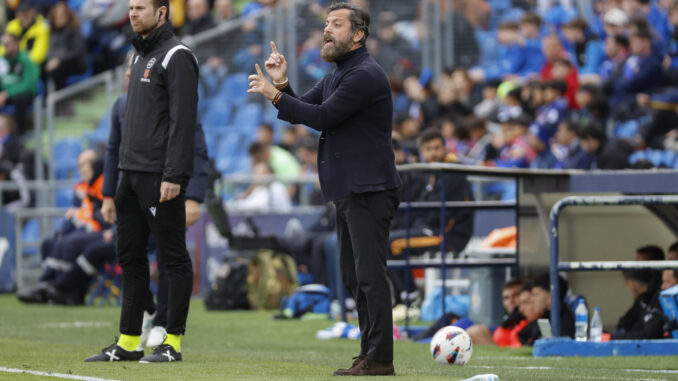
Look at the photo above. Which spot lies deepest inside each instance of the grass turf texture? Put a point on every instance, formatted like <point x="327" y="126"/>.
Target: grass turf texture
<point x="252" y="346"/>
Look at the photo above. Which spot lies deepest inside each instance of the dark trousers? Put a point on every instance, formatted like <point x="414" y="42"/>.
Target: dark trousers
<point x="363" y="221"/>
<point x="160" y="319"/>
<point x="136" y="201"/>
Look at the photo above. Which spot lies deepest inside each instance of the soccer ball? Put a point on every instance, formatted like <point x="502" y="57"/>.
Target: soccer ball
<point x="451" y="345"/>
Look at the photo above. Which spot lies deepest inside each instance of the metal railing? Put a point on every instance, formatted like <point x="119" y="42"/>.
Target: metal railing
<point x="557" y="266"/>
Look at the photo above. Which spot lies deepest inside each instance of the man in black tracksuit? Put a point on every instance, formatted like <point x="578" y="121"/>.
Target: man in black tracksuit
<point x="353" y="109"/>
<point x="156" y="155"/>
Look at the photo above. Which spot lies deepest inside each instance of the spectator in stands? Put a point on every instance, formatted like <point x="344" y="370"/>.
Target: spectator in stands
<point x="288" y="139"/>
<point x="424" y="106"/>
<point x="18" y="79"/>
<point x="513" y="147"/>
<point x="11" y="145"/>
<point x="592" y="103"/>
<point x="617" y="51"/>
<point x="591" y="140"/>
<point x="224" y="11"/>
<point x="572" y="156"/>
<point x="199" y="18"/>
<point x="312" y="64"/>
<point x="466" y="17"/>
<point x="530" y="29"/>
<point x="108" y="39"/>
<point x="549" y="116"/>
<point x="13" y="200"/>
<point x="541" y="302"/>
<point x="67" y="48"/>
<point x="669" y="278"/>
<point x="307" y="153"/>
<point x="672" y="252"/>
<point x="249" y="48"/>
<point x="271" y="196"/>
<point x="389" y="49"/>
<point x="511" y="52"/>
<point x="642" y="72"/>
<point x="671" y="61"/>
<point x="489" y="102"/>
<point x="615" y="22"/>
<point x="83" y="225"/>
<point x="563" y="70"/>
<point x="586" y="52"/>
<point x="426" y="187"/>
<point x="283" y="163"/>
<point x="644" y="320"/>
<point x="513" y="322"/>
<point x="33" y="31"/>
<point x="650" y="253"/>
<point x="553" y="51"/>
<point x="645" y="9"/>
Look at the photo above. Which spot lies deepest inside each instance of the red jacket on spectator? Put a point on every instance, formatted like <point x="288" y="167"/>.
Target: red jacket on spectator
<point x="572" y="83"/>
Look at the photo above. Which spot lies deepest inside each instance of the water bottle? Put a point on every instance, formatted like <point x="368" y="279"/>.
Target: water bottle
<point x="335" y="310"/>
<point x="581" y="321"/>
<point x="483" y="377"/>
<point x="596" y="325"/>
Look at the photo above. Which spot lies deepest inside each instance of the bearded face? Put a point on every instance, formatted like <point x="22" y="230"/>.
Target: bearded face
<point x="337" y="35"/>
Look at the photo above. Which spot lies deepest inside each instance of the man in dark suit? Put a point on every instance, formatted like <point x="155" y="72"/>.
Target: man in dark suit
<point x="353" y="109"/>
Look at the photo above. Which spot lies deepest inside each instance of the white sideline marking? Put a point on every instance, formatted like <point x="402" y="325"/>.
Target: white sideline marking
<point x="50" y="374"/>
<point x="660" y="371"/>
<point x="77" y="324"/>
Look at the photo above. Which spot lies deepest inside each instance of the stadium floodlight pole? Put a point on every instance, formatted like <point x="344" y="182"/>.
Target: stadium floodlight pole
<point x="555" y="266"/>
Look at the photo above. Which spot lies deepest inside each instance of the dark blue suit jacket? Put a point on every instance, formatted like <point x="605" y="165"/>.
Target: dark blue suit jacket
<point x="353" y="109"/>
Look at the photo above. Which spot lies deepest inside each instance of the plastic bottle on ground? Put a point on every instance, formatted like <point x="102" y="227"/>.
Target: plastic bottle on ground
<point x="596" y="326"/>
<point x="581" y="321"/>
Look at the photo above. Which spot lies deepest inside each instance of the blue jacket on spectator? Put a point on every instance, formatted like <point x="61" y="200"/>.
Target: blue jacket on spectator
<point x="593" y="56"/>
<point x="534" y="57"/>
<point x="510" y="60"/>
<point x="639" y="74"/>
<point x="548" y="118"/>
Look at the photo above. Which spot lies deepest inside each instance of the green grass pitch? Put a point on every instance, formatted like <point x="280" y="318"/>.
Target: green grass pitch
<point x="252" y="346"/>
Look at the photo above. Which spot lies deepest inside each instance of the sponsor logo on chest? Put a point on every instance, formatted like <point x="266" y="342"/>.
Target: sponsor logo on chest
<point x="147" y="71"/>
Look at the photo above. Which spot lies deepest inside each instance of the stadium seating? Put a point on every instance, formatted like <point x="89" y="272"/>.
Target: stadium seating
<point x="65" y="155"/>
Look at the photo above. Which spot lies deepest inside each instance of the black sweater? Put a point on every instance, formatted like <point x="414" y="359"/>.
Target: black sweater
<point x="353" y="109"/>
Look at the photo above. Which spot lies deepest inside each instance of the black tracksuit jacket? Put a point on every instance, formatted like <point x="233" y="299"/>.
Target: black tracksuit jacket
<point x="161" y="108"/>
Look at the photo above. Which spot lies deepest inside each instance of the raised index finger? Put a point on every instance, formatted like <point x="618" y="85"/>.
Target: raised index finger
<point x="274" y="48"/>
<point x="258" y="69"/>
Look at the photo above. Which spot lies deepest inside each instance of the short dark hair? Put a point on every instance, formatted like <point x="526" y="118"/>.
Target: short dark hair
<point x="266" y="126"/>
<point x="621" y="40"/>
<point x="513" y="282"/>
<point x="508" y="25"/>
<point x="430" y="134"/>
<point x="593" y="130"/>
<point x="656" y="253"/>
<point x="642" y="276"/>
<point x="531" y="18"/>
<point x="162" y="3"/>
<point x="642" y="33"/>
<point x="559" y="86"/>
<point x="543" y="281"/>
<point x="673" y="247"/>
<point x="360" y="20"/>
<point x="257" y="148"/>
<point x="577" y="23"/>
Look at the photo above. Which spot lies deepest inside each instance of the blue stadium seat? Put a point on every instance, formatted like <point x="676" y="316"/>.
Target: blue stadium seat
<point x="247" y="117"/>
<point x="65" y="155"/>
<point x="31" y="233"/>
<point x="63" y="197"/>
<point x="234" y="89"/>
<point x="217" y="117"/>
<point x="228" y="149"/>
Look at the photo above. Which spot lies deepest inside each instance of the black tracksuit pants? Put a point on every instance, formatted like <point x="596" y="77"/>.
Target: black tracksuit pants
<point x="363" y="222"/>
<point x="139" y="214"/>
